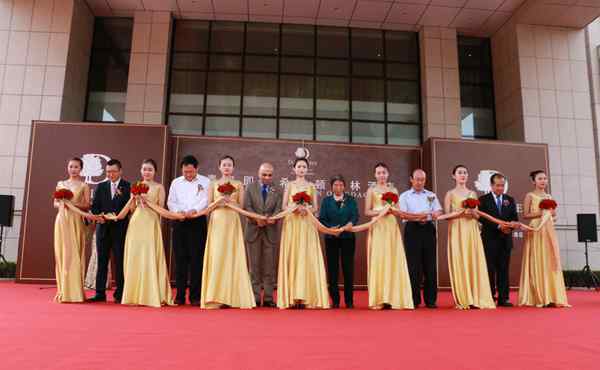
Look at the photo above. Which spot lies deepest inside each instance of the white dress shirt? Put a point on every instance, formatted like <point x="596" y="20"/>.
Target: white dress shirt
<point x="423" y="201"/>
<point x="186" y="196"/>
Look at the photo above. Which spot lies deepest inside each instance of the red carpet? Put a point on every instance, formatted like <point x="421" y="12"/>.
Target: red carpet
<point x="38" y="334"/>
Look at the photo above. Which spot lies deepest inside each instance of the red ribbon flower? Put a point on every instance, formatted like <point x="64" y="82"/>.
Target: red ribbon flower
<point x="390" y="197"/>
<point x="139" y="188"/>
<point x="470" y="203"/>
<point x="302" y="198"/>
<point x="226" y="189"/>
<point x="63" y="194"/>
<point x="548" y="204"/>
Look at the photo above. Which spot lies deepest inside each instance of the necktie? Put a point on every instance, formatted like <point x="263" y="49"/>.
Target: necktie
<point x="499" y="204"/>
<point x="265" y="191"/>
<point x="113" y="190"/>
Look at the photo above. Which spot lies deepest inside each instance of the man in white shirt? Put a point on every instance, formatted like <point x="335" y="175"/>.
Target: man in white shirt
<point x="188" y="195"/>
<point x="420" y="239"/>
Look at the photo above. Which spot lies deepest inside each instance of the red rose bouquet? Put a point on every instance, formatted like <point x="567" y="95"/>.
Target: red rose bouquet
<point x="548" y="204"/>
<point x="139" y="188"/>
<point x="470" y="203"/>
<point x="226" y="188"/>
<point x="63" y="194"/>
<point x="302" y="198"/>
<point x="390" y="198"/>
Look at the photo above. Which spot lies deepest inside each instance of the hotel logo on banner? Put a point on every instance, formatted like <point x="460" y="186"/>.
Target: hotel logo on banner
<point x="483" y="184"/>
<point x="93" y="168"/>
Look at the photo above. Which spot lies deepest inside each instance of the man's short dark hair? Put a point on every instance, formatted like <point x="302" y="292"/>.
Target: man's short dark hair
<point x="337" y="178"/>
<point x="189" y="160"/>
<point x="114" y="162"/>
<point x="495" y="176"/>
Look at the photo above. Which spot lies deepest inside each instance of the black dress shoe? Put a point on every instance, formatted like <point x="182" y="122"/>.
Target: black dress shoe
<point x="431" y="305"/>
<point x="336" y="305"/>
<point x="505" y="304"/>
<point x="97" y="298"/>
<point x="258" y="303"/>
<point x="349" y="305"/>
<point x="117" y="300"/>
<point x="195" y="303"/>
<point x="180" y="302"/>
<point x="269" y="304"/>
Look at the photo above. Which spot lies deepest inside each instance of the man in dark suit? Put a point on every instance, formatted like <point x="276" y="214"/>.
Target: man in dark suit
<point x="262" y="237"/>
<point x="497" y="240"/>
<point x="110" y="196"/>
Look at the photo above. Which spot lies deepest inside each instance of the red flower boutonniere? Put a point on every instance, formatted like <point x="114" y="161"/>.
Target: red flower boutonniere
<point x="302" y="198"/>
<point x="548" y="204"/>
<point x="226" y="188"/>
<point x="390" y="198"/>
<point x="63" y="194"/>
<point x="505" y="202"/>
<point x="470" y="203"/>
<point x="139" y="188"/>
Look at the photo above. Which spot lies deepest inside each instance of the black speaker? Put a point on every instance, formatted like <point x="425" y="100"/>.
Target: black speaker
<point x="7" y="207"/>
<point x="586" y="227"/>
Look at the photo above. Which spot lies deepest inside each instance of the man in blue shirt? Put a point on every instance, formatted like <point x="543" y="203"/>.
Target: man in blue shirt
<point x="420" y="238"/>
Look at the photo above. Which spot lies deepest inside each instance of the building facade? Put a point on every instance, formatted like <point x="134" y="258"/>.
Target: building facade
<point x="355" y="71"/>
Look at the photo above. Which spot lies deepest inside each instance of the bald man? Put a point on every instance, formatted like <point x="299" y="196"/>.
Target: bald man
<point x="420" y="240"/>
<point x="262" y="237"/>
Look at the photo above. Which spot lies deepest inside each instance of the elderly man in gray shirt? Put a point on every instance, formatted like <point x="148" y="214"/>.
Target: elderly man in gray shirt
<point x="420" y="238"/>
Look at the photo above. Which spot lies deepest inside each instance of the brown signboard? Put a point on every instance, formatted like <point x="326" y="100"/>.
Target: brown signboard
<point x="354" y="162"/>
<point x="52" y="144"/>
<point x="482" y="158"/>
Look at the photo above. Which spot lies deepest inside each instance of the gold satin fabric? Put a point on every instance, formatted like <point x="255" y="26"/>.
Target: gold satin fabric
<point x="301" y="273"/>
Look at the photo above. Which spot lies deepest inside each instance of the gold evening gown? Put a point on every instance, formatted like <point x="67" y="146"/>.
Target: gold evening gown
<point x="301" y="278"/>
<point x="144" y="263"/>
<point x="225" y="277"/>
<point x="388" y="279"/>
<point x="69" y="249"/>
<point x="542" y="281"/>
<point x="466" y="261"/>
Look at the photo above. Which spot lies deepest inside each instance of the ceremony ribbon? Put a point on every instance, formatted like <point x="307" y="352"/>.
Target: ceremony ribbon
<point x="243" y="212"/>
<point x="550" y="233"/>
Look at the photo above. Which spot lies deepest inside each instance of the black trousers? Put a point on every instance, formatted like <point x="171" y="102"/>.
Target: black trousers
<point x="497" y="256"/>
<point x="111" y="241"/>
<point x="334" y="248"/>
<point x="421" y="256"/>
<point x="189" y="241"/>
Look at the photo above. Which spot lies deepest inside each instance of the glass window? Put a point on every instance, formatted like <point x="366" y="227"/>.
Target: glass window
<point x="335" y="67"/>
<point x="332" y="42"/>
<point x="225" y="62"/>
<point x="185" y="125"/>
<point x="333" y="131"/>
<point x="368" y="133"/>
<point x="187" y="92"/>
<point x="367" y="44"/>
<point x="367" y="69"/>
<point x="297" y="65"/>
<point x="402" y="46"/>
<point x="259" y="127"/>
<point x="190" y="36"/>
<point x="222" y="126"/>
<point x="262" y="38"/>
<point x="260" y="94"/>
<point x="261" y="64"/>
<point x="332" y="97"/>
<point x="298" y="40"/>
<point x="109" y="70"/>
<point x="476" y="88"/>
<point x="224" y="93"/>
<point x="296" y="129"/>
<point x="403" y="71"/>
<point x="296" y="96"/>
<point x="227" y="37"/>
<point x="367" y="99"/>
<point x="189" y="61"/>
<point x="403" y="99"/>
<point x="404" y="134"/>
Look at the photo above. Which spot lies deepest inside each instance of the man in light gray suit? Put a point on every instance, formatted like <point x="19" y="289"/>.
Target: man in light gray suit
<point x="262" y="237"/>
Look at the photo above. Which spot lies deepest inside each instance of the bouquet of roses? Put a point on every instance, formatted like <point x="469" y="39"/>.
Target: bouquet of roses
<point x="548" y="204"/>
<point x="390" y="198"/>
<point x="470" y="203"/>
<point x="63" y="194"/>
<point x="139" y="188"/>
<point x="226" y="188"/>
<point x="302" y="198"/>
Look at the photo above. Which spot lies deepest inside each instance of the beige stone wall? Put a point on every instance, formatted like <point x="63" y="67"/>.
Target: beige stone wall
<point x="41" y="42"/>
<point x="148" y="68"/>
<point x="440" y="84"/>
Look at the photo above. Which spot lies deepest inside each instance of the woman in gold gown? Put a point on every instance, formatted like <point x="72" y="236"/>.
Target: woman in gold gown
<point x="466" y="259"/>
<point x="225" y="277"/>
<point x="301" y="278"/>
<point x="387" y="276"/>
<point x="70" y="237"/>
<point x="542" y="283"/>
<point x="144" y="264"/>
